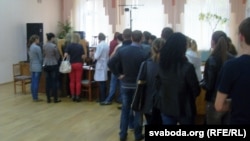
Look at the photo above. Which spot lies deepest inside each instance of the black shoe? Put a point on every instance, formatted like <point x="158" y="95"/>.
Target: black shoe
<point x="57" y="101"/>
<point x="123" y="139"/>
<point x="37" y="100"/>
<point x="141" y="138"/>
<point x="105" y="103"/>
<point x="119" y="107"/>
<point x="78" y="100"/>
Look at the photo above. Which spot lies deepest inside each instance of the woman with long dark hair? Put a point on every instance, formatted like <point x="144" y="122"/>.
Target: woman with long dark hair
<point x="179" y="85"/>
<point x="215" y="61"/>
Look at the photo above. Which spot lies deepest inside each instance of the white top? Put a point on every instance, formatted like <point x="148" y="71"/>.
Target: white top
<point x="193" y="58"/>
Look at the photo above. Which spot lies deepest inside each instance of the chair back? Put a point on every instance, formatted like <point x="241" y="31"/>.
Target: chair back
<point x="25" y="68"/>
<point x="88" y="82"/>
<point x="21" y="76"/>
<point x="16" y="70"/>
<point x="89" y="77"/>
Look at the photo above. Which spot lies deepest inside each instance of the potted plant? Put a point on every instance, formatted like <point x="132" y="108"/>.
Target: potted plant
<point x="212" y="19"/>
<point x="64" y="28"/>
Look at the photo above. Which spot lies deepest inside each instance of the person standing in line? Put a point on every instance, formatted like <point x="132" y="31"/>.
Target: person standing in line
<point x="234" y="81"/>
<point x="215" y="61"/>
<point x="76" y="54"/>
<point x="126" y="35"/>
<point x="101" y="56"/>
<point x="193" y="57"/>
<point x="35" y="58"/>
<point x="148" y="74"/>
<point x="126" y="64"/>
<point x="145" y="42"/>
<point x="113" y="43"/>
<point x="50" y="63"/>
<point x="114" y="81"/>
<point x="179" y="84"/>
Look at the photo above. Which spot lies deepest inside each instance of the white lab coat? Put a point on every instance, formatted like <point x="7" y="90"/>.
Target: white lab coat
<point x="101" y="56"/>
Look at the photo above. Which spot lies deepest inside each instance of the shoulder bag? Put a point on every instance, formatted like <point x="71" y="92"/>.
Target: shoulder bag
<point x="65" y="66"/>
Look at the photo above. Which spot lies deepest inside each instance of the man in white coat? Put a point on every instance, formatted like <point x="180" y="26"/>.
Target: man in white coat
<point x="101" y="56"/>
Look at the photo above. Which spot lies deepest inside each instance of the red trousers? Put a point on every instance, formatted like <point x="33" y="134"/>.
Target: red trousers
<point x="75" y="77"/>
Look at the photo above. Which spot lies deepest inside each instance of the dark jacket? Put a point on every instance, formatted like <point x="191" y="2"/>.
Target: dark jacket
<point x="178" y="91"/>
<point x="211" y="72"/>
<point x="127" y="61"/>
<point x="148" y="74"/>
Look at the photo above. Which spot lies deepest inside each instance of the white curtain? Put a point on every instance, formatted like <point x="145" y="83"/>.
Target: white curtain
<point x="201" y="31"/>
<point x="248" y="8"/>
<point x="89" y="16"/>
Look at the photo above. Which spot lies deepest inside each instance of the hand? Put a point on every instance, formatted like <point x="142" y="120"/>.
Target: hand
<point x="121" y="76"/>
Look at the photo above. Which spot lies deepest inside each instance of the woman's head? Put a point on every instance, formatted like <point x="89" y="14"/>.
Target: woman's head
<point x="173" y="52"/>
<point x="33" y="39"/>
<point x="119" y="37"/>
<point x="75" y="38"/>
<point x="50" y="36"/>
<point x="68" y="37"/>
<point x="216" y="36"/>
<point x="116" y="35"/>
<point x="191" y="43"/>
<point x="220" y="45"/>
<point x="157" y="44"/>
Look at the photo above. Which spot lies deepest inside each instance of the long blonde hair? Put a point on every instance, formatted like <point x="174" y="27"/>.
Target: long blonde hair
<point x="75" y="38"/>
<point x="157" y="44"/>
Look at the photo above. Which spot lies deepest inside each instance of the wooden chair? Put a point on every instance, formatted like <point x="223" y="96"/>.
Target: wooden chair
<point x="88" y="83"/>
<point x="20" y="76"/>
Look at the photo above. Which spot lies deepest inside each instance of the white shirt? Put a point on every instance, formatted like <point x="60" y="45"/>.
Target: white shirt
<point x="193" y="58"/>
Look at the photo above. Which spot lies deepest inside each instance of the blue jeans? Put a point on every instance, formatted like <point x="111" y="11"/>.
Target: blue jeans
<point x="114" y="82"/>
<point x="131" y="120"/>
<point x="170" y="120"/>
<point x="127" y="96"/>
<point x="35" y="79"/>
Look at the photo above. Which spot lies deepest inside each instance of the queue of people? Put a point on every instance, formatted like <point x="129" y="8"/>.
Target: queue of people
<point x="171" y="70"/>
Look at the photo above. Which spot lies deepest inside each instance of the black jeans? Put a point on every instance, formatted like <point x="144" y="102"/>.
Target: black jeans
<point x="51" y="81"/>
<point x="103" y="90"/>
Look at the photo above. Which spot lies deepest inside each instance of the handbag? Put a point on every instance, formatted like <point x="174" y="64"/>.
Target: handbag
<point x="139" y="96"/>
<point x="65" y="66"/>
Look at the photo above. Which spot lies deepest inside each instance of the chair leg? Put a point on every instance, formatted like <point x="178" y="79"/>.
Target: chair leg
<point x="90" y="93"/>
<point x="14" y="87"/>
<point x="23" y="85"/>
<point x="24" y="88"/>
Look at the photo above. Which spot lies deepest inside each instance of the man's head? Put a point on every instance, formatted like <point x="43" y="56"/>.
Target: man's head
<point x="137" y="36"/>
<point x="244" y="32"/>
<point x="126" y="34"/>
<point x="166" y="33"/>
